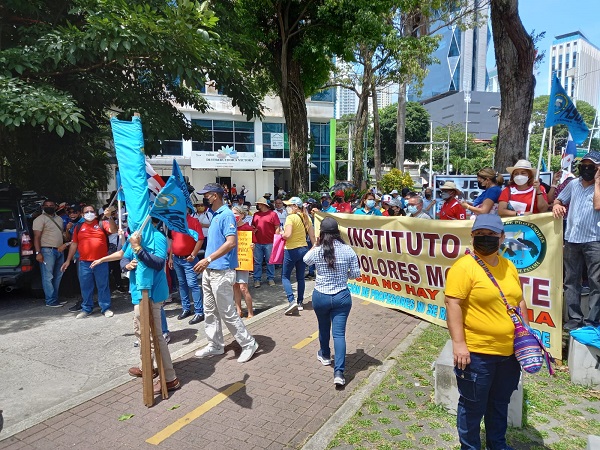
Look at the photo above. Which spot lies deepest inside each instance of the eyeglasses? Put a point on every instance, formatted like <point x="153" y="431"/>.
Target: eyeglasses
<point x="587" y="166"/>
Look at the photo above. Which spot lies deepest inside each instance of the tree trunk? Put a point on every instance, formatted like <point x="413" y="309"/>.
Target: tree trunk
<point x="401" y="126"/>
<point x="362" y="115"/>
<point x="515" y="55"/>
<point x="376" y="135"/>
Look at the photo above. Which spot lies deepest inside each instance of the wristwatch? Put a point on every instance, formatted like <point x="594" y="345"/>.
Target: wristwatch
<point x="209" y="259"/>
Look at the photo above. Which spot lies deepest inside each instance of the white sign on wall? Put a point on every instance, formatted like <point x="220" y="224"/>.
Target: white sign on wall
<point x="226" y="158"/>
<point x="277" y="141"/>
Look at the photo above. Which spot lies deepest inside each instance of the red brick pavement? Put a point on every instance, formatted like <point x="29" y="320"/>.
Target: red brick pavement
<point x="288" y="394"/>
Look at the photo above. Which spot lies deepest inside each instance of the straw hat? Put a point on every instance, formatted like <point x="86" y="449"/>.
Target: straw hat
<point x="449" y="186"/>
<point x="263" y="201"/>
<point x="521" y="164"/>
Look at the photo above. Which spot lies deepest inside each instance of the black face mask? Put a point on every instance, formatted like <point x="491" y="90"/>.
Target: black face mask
<point x="205" y="202"/>
<point x="427" y="196"/>
<point x="486" y="245"/>
<point x="50" y="210"/>
<point x="480" y="185"/>
<point x="587" y="174"/>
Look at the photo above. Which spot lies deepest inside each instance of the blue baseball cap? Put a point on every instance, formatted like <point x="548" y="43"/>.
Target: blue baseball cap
<point x="593" y="156"/>
<point x="212" y="187"/>
<point x="294" y="201"/>
<point x="488" y="222"/>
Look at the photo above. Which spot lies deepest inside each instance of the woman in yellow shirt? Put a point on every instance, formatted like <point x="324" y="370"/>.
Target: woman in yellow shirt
<point x="482" y="333"/>
<point x="297" y="226"/>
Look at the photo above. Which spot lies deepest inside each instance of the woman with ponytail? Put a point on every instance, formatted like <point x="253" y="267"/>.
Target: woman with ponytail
<point x="491" y="183"/>
<point x="335" y="262"/>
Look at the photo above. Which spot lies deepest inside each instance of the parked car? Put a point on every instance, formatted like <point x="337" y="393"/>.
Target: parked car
<point x="18" y="268"/>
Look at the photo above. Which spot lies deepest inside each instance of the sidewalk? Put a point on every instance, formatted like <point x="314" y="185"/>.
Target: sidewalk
<point x="278" y="399"/>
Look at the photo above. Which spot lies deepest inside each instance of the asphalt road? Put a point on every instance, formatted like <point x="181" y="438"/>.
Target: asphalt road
<point x="50" y="361"/>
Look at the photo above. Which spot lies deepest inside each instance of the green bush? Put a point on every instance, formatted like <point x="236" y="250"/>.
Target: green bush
<point x="395" y="179"/>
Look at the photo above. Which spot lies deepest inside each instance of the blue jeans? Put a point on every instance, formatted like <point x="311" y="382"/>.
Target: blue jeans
<point x="293" y="259"/>
<point x="574" y="256"/>
<point x="97" y="276"/>
<point x="163" y="321"/>
<point x="485" y="387"/>
<point x="263" y="252"/>
<point x="332" y="312"/>
<point x="188" y="282"/>
<point x="311" y="269"/>
<point x="51" y="273"/>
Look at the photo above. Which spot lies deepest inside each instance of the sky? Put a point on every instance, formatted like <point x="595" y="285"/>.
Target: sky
<point x="555" y="18"/>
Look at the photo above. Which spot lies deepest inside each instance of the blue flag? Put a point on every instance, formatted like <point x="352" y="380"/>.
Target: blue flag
<point x="561" y="110"/>
<point x="171" y="204"/>
<point x="129" y="148"/>
<point x="544" y="168"/>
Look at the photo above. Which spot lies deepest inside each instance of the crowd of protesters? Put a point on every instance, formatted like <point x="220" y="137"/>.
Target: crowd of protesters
<point x="73" y="243"/>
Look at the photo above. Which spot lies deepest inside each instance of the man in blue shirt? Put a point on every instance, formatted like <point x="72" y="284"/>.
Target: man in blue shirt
<point x="582" y="239"/>
<point x="219" y="267"/>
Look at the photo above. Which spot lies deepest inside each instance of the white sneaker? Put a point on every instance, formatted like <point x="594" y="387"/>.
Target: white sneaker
<point x="83" y="315"/>
<point x="300" y="307"/>
<point x="247" y="352"/>
<point x="291" y="308"/>
<point x="209" y="351"/>
<point x="108" y="313"/>
<point x="324" y="361"/>
<point x="167" y="337"/>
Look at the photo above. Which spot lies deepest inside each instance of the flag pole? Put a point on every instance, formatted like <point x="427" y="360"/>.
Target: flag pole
<point x="539" y="166"/>
<point x="550" y="148"/>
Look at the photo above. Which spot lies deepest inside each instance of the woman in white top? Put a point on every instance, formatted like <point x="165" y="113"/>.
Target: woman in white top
<point x="335" y="262"/>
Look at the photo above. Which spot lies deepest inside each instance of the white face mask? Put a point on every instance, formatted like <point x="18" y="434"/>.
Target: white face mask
<point x="289" y="210"/>
<point x="89" y="216"/>
<point x="521" y="180"/>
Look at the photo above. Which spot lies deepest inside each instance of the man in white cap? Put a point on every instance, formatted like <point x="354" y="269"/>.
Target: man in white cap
<point x="582" y="240"/>
<point x="451" y="209"/>
<point x="394" y="193"/>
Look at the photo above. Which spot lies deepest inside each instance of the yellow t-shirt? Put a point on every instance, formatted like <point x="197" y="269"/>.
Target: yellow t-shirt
<point x="488" y="327"/>
<point x="298" y="237"/>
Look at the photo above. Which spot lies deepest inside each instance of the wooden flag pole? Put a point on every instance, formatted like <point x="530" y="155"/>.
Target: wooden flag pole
<point x="158" y="356"/>
<point x="147" y="367"/>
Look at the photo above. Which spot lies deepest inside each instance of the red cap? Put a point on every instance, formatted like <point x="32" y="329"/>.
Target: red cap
<point x="339" y="193"/>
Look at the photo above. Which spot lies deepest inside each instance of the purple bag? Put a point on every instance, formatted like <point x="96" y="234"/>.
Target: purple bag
<point x="278" y="248"/>
<point x="529" y="351"/>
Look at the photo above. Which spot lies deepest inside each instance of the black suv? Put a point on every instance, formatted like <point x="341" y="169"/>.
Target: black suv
<point x="17" y="259"/>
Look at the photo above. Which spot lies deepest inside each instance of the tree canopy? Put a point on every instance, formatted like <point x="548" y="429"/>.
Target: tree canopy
<point x="67" y="63"/>
<point x="417" y="130"/>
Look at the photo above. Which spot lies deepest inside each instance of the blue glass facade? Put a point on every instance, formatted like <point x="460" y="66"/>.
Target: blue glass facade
<point x="319" y="157"/>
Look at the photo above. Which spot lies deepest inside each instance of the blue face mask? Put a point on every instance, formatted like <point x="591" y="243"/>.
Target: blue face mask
<point x="411" y="209"/>
<point x="370" y="204"/>
<point x="325" y="204"/>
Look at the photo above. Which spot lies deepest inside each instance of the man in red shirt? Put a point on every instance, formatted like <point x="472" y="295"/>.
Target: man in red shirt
<point x="340" y="204"/>
<point x="90" y="238"/>
<point x="183" y="257"/>
<point x="451" y="209"/>
<point x="266" y="223"/>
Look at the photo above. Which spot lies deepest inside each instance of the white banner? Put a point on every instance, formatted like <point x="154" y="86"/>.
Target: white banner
<point x="226" y="158"/>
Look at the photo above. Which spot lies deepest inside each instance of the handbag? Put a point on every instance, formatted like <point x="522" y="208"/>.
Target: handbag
<point x="529" y="350"/>
<point x="278" y="248"/>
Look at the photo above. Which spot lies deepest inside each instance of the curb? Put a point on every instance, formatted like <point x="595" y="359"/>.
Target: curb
<point x="321" y="439"/>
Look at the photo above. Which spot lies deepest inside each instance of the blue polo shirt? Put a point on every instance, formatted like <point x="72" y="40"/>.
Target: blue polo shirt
<point x="156" y="243"/>
<point x="493" y="193"/>
<point x="221" y="226"/>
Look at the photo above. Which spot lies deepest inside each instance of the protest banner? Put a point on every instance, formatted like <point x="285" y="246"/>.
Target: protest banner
<point x="245" y="252"/>
<point x="404" y="262"/>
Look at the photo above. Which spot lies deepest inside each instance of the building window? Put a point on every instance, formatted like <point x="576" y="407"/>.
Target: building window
<point x="225" y="133"/>
<point x="328" y="95"/>
<point x="171" y="148"/>
<point x="268" y="150"/>
<point x="319" y="133"/>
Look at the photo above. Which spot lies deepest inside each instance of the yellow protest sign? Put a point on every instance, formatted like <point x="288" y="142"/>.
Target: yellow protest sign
<point x="404" y="262"/>
<point x="245" y="253"/>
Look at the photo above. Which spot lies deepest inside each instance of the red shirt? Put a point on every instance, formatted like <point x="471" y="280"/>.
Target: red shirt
<point x="343" y="207"/>
<point x="183" y="244"/>
<point x="92" y="240"/>
<point x="265" y="223"/>
<point x="523" y="200"/>
<point x="385" y="213"/>
<point x="452" y="210"/>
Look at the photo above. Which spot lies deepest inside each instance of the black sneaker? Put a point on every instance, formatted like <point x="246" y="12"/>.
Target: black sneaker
<point x="76" y="307"/>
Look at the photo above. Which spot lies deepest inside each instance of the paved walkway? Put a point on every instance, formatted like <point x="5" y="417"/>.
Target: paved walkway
<point x="279" y="399"/>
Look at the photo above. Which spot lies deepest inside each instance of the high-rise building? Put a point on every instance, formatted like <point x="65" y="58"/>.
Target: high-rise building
<point x="346" y="102"/>
<point x="576" y="63"/>
<point x="462" y="58"/>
